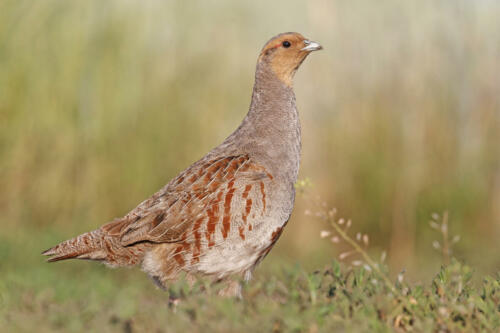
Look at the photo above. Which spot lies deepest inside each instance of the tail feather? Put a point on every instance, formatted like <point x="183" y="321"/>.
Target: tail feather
<point x="86" y="246"/>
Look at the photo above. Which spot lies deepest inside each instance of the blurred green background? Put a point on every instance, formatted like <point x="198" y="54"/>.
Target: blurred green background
<point x="103" y="102"/>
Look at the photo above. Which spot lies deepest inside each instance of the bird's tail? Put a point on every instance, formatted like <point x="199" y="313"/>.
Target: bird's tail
<point x="89" y="246"/>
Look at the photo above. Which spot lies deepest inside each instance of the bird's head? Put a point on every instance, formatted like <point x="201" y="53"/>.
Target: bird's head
<point x="285" y="52"/>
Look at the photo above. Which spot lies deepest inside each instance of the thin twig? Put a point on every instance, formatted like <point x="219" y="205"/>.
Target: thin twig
<point x="446" y="244"/>
<point x="365" y="256"/>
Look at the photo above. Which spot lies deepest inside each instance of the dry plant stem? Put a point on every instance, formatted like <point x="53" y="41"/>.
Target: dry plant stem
<point x="446" y="245"/>
<point x="365" y="256"/>
<point x="375" y="267"/>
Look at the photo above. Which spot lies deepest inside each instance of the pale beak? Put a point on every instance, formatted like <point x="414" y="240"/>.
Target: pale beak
<point x="311" y="46"/>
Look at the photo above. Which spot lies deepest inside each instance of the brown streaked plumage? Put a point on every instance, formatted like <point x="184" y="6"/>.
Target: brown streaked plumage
<point x="221" y="216"/>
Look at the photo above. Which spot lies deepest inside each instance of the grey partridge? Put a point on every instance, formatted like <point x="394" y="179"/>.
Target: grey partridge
<point x="222" y="215"/>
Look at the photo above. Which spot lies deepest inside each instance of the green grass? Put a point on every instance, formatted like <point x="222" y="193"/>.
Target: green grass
<point x="78" y="296"/>
<point x="356" y="295"/>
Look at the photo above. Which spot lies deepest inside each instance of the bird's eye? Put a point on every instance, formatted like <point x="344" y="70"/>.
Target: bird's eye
<point x="286" y="44"/>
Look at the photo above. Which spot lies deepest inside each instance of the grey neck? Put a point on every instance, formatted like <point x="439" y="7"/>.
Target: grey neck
<point x="271" y="129"/>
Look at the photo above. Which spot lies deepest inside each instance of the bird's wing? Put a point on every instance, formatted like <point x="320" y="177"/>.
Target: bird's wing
<point x="203" y="191"/>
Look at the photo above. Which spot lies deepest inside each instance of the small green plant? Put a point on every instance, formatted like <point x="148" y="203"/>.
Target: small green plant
<point x="302" y="185"/>
<point x="358" y="244"/>
<point x="451" y="305"/>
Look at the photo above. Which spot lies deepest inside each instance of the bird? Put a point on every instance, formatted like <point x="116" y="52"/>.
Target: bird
<point x="222" y="215"/>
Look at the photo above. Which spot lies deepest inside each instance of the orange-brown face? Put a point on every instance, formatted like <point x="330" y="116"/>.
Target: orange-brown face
<point x="285" y="53"/>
